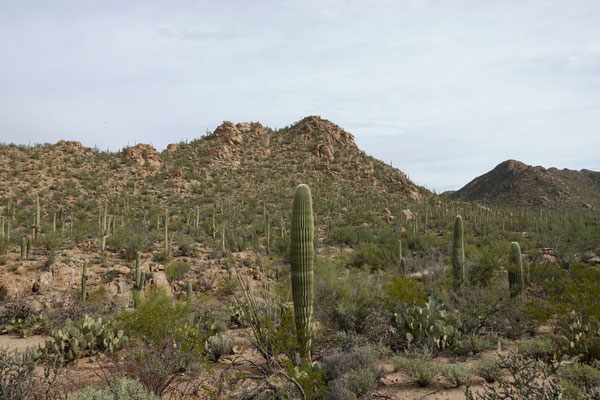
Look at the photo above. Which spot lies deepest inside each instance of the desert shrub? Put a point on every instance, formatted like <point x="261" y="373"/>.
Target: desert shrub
<point x="529" y="379"/>
<point x="489" y="368"/>
<point x="338" y="390"/>
<point x="349" y="299"/>
<point x="117" y="389"/>
<point x="339" y="363"/>
<point x="580" y="375"/>
<point x="15" y="310"/>
<point x="482" y="308"/>
<point x="50" y="241"/>
<point x="129" y="240"/>
<point x="161" y="257"/>
<point x="473" y="344"/>
<point x="421" y="370"/>
<point x="186" y="245"/>
<point x="403" y="292"/>
<point x="575" y="290"/>
<point x="157" y="321"/>
<point x="361" y="381"/>
<point x="456" y="375"/>
<point x="309" y="376"/>
<point x="344" y="235"/>
<point x="176" y="270"/>
<point x="218" y="346"/>
<point x="23" y="376"/>
<point x="543" y="347"/>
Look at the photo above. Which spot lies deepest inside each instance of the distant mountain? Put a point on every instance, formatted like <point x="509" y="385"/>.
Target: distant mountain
<point x="515" y="184"/>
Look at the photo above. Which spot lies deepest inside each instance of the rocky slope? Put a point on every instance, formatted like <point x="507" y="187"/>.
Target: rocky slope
<point x="515" y="184"/>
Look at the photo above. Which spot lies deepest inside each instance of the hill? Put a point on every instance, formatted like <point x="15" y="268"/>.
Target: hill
<point x="515" y="184"/>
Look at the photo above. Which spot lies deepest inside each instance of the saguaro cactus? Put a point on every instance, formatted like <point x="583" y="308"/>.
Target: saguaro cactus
<point x="167" y="247"/>
<point x="38" y="225"/>
<point x="515" y="274"/>
<point x="23" y="248"/>
<point x="302" y="263"/>
<point x="190" y="293"/>
<point x="458" y="251"/>
<point x="138" y="272"/>
<point x="84" y="277"/>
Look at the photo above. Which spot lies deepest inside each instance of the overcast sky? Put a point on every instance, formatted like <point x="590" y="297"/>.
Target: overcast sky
<point x="445" y="90"/>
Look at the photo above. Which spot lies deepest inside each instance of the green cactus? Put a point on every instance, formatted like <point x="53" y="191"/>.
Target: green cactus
<point x="37" y="217"/>
<point x="515" y="274"/>
<point x="89" y="335"/>
<point x="302" y="262"/>
<point x="138" y="272"/>
<point x="458" y="251"/>
<point x="23" y="248"/>
<point x="190" y="293"/>
<point x="84" y="277"/>
<point x="29" y="247"/>
<point x="167" y="247"/>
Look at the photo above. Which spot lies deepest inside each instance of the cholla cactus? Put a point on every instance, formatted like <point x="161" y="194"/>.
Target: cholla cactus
<point x="302" y="262"/>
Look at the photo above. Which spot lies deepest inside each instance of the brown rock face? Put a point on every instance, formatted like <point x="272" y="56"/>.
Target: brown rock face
<point x="229" y="134"/>
<point x="171" y="148"/>
<point x="71" y="146"/>
<point x="143" y="155"/>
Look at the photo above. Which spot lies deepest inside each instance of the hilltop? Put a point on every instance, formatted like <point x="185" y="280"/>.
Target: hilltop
<point x="239" y="157"/>
<point x="515" y="184"/>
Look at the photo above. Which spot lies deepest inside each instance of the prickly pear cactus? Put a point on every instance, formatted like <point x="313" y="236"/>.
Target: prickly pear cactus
<point x="302" y="262"/>
<point x="431" y="325"/>
<point x="88" y="336"/>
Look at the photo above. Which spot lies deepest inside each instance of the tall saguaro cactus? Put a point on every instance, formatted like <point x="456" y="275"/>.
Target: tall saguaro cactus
<point x="38" y="225"/>
<point x="84" y="277"/>
<point x="458" y="251"/>
<point x="302" y="255"/>
<point x="515" y="274"/>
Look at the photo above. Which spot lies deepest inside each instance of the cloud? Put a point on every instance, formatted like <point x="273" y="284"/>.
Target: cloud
<point x="444" y="89"/>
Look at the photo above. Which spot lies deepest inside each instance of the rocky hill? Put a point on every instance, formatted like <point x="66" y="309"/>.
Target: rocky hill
<point x="210" y="169"/>
<point x="515" y="184"/>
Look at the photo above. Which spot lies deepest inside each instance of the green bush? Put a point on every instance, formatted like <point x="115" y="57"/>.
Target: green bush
<point x="361" y="381"/>
<point x="348" y="299"/>
<point x="159" y="322"/>
<point x="176" y="270"/>
<point x="117" y="389"/>
<point x="310" y="377"/>
<point x="421" y="370"/>
<point x="543" y="347"/>
<point x="402" y="293"/>
<point x="161" y="257"/>
<point x="187" y="245"/>
<point x="129" y="240"/>
<point x="456" y="375"/>
<point x="489" y="368"/>
<point x="580" y="375"/>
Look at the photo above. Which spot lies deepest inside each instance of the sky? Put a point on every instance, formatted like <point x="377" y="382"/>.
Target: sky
<point x="443" y="90"/>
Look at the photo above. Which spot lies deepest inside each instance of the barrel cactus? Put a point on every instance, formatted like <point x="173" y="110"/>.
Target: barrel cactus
<point x="302" y="263"/>
<point x="515" y="274"/>
<point x="458" y="251"/>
